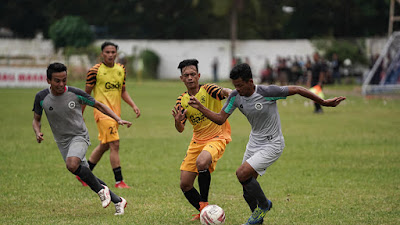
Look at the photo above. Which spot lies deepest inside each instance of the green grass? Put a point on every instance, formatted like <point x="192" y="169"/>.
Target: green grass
<point x="340" y="167"/>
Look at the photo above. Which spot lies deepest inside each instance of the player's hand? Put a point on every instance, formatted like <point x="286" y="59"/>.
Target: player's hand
<point x="178" y="114"/>
<point x="39" y="137"/>
<point x="137" y="111"/>
<point x="333" y="102"/>
<point x="194" y="102"/>
<point x="124" y="122"/>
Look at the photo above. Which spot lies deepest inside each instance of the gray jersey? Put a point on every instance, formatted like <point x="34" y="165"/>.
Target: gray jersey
<point x="64" y="112"/>
<point x="261" y="111"/>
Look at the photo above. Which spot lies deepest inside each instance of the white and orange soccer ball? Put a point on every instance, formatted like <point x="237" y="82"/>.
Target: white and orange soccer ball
<point x="212" y="214"/>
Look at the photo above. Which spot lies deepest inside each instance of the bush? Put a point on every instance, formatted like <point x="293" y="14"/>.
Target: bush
<point x="71" y="31"/>
<point x="346" y="49"/>
<point x="151" y="62"/>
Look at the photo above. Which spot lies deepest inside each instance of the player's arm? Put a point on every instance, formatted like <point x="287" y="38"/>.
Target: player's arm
<point x="226" y="92"/>
<point x="218" y="118"/>
<point x="37" y="124"/>
<point x="127" y="98"/>
<point x="88" y="89"/>
<point x="308" y="94"/>
<point x="179" y="116"/>
<point x="104" y="109"/>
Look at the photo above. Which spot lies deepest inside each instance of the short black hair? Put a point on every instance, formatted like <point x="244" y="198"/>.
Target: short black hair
<point x="55" y="68"/>
<point x="241" y="71"/>
<point x="189" y="62"/>
<point x="107" y="43"/>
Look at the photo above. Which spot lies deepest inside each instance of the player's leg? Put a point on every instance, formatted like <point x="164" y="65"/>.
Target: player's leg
<point x="251" y="201"/>
<point x="190" y="192"/>
<point x="116" y="165"/>
<point x="255" y="162"/>
<point x="253" y="194"/>
<point x="203" y="162"/>
<point x="247" y="177"/>
<point x="206" y="163"/>
<point x="94" y="159"/>
<point x="119" y="202"/>
<point x="74" y="155"/>
<point x="96" y="154"/>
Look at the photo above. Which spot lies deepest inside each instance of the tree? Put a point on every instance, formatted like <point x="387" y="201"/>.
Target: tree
<point x="71" y="31"/>
<point x="232" y="8"/>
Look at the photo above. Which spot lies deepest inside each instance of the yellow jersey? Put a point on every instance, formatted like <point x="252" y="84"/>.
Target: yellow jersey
<point x="107" y="83"/>
<point x="210" y="95"/>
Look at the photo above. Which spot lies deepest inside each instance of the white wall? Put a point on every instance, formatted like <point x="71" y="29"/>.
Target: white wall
<point x="173" y="51"/>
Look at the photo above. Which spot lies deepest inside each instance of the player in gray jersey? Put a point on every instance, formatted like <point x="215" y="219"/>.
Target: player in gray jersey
<point x="62" y="105"/>
<point x="266" y="142"/>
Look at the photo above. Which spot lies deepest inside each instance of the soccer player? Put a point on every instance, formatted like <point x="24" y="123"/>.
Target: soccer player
<point x="266" y="142"/>
<point x="107" y="81"/>
<point x="62" y="105"/>
<point x="209" y="139"/>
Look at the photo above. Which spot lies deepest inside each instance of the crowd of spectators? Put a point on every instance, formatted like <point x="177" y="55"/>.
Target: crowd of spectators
<point x="297" y="69"/>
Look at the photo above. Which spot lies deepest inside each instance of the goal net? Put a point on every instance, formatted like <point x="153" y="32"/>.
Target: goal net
<point x="384" y="76"/>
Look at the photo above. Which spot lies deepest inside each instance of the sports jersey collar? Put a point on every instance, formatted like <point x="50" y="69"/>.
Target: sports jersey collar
<point x="255" y="91"/>
<point x="108" y="66"/>
<point x="65" y="90"/>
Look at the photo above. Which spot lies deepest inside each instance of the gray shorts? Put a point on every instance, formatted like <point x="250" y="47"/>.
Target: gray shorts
<point x="260" y="157"/>
<point x="76" y="147"/>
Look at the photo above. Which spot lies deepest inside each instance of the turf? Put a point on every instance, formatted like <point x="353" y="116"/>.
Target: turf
<point x="340" y="167"/>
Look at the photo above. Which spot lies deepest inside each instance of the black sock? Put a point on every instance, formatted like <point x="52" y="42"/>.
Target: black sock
<point x="86" y="175"/>
<point x="251" y="201"/>
<point x="317" y="107"/>
<point x="193" y="197"/>
<point x="91" y="165"/>
<point x="117" y="174"/>
<point x="204" y="181"/>
<point x="114" y="198"/>
<point x="253" y="189"/>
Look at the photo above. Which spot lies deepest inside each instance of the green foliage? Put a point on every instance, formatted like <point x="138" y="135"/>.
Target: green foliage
<point x="352" y="49"/>
<point x="151" y="62"/>
<point x="130" y="67"/>
<point x="71" y="31"/>
<point x="92" y="51"/>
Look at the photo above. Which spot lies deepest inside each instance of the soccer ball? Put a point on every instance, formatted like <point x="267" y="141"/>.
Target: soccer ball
<point x="212" y="214"/>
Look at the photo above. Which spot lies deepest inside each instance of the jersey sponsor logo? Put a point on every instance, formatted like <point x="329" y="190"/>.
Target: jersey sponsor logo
<point x="203" y="99"/>
<point x="110" y="85"/>
<point x="197" y="119"/>
<point x="258" y="106"/>
<point x="71" y="104"/>
<point x="51" y="108"/>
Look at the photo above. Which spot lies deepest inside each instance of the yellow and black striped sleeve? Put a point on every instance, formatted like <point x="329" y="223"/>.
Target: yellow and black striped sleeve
<point x="122" y="65"/>
<point x="214" y="90"/>
<point x="92" y="75"/>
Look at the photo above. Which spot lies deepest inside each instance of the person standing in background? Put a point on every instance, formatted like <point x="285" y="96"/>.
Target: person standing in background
<point x="107" y="81"/>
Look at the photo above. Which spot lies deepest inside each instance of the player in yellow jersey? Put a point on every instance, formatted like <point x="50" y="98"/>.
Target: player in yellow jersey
<point x="107" y="81"/>
<point x="209" y="139"/>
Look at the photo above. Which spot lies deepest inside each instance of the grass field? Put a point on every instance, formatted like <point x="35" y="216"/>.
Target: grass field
<point x="340" y="167"/>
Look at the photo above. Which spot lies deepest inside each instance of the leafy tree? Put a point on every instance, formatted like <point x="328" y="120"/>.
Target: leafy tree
<point x="71" y="31"/>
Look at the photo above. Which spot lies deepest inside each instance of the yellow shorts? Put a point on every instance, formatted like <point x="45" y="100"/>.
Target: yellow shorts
<point x="108" y="130"/>
<point x="215" y="148"/>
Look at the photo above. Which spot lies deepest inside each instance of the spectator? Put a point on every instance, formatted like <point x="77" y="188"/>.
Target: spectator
<point x="335" y="65"/>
